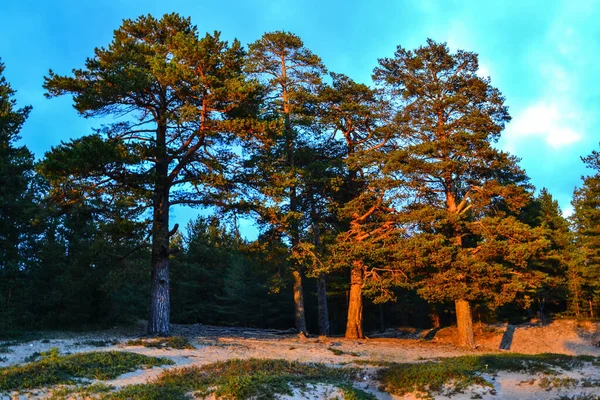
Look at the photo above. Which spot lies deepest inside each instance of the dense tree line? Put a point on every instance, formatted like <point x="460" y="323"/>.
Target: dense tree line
<point x="377" y="205"/>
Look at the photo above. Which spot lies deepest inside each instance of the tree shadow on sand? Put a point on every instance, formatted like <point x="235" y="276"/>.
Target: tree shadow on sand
<point x="507" y="338"/>
<point x="431" y="334"/>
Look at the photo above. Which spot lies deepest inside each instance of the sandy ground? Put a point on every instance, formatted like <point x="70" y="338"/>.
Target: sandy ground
<point x="566" y="337"/>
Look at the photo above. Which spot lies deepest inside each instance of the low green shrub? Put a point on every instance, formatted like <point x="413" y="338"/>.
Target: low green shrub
<point x="172" y="342"/>
<point x="54" y="369"/>
<point x="457" y="373"/>
<point x="242" y="379"/>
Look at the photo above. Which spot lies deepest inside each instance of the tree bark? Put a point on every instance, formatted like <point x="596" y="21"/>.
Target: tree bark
<point x="321" y="283"/>
<point x="323" y="309"/>
<point x="299" y="302"/>
<point x="158" y="323"/>
<point x="300" y="313"/>
<point x="435" y="319"/>
<point x="464" y="322"/>
<point x="355" y="306"/>
<point x="294" y="224"/>
<point x="160" y="301"/>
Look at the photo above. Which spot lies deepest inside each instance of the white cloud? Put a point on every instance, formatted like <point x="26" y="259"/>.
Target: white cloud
<point x="554" y="123"/>
<point x="568" y="211"/>
<point x="483" y="71"/>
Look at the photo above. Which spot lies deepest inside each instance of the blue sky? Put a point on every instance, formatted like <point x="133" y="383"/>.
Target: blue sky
<point x="544" y="56"/>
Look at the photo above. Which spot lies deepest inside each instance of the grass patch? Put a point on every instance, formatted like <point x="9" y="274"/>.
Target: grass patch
<point x="172" y="342"/>
<point x="375" y="363"/>
<point x="54" y="369"/>
<point x="555" y="382"/>
<point x="339" y="352"/>
<point x="79" y="392"/>
<point x="352" y="393"/>
<point x="242" y="379"/>
<point x="35" y="356"/>
<point x="458" y="373"/>
<point x="98" y="343"/>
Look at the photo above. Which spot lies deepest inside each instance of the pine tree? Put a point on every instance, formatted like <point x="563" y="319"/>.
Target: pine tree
<point x="198" y="271"/>
<point x="585" y="269"/>
<point x="544" y="212"/>
<point x="289" y="72"/>
<point x="16" y="204"/>
<point x="464" y="243"/>
<point x="182" y="98"/>
<point x="365" y="221"/>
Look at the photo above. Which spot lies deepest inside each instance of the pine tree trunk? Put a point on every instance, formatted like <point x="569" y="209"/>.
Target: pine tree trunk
<point x="158" y="323"/>
<point x="297" y="270"/>
<point x="321" y="283"/>
<point x="355" y="305"/>
<point x="323" y="310"/>
<point x="435" y="318"/>
<point x="464" y="322"/>
<point x="299" y="302"/>
<point x="160" y="302"/>
<point x="299" y="311"/>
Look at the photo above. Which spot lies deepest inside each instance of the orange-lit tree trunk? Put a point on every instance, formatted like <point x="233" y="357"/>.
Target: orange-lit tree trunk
<point x="464" y="318"/>
<point x="299" y="301"/>
<point x="355" y="305"/>
<point x="355" y="111"/>
<point x="464" y="322"/>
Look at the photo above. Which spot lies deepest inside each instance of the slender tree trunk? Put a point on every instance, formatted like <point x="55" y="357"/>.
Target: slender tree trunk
<point x="299" y="302"/>
<point x="160" y="303"/>
<point x="435" y="318"/>
<point x="321" y="284"/>
<point x="381" y="318"/>
<point x="464" y="319"/>
<point x="158" y="323"/>
<point x="294" y="224"/>
<point x="464" y="322"/>
<point x="323" y="309"/>
<point x="297" y="270"/>
<point x="355" y="305"/>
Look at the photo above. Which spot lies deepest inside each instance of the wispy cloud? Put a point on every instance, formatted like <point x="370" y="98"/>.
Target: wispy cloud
<point x="555" y="124"/>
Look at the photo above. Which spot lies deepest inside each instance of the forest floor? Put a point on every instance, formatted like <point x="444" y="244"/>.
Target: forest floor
<point x="369" y="356"/>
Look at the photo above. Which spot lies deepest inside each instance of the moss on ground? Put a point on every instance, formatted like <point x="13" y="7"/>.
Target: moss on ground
<point x="243" y="379"/>
<point x="172" y="342"/>
<point x="265" y="379"/>
<point x="54" y="369"/>
<point x="457" y="373"/>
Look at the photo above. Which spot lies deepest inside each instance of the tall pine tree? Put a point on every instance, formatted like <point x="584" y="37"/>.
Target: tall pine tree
<point x="181" y="97"/>
<point x="366" y="226"/>
<point x="16" y="204"/>
<point x="465" y="243"/>
<point x="289" y="72"/>
<point x="585" y="269"/>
